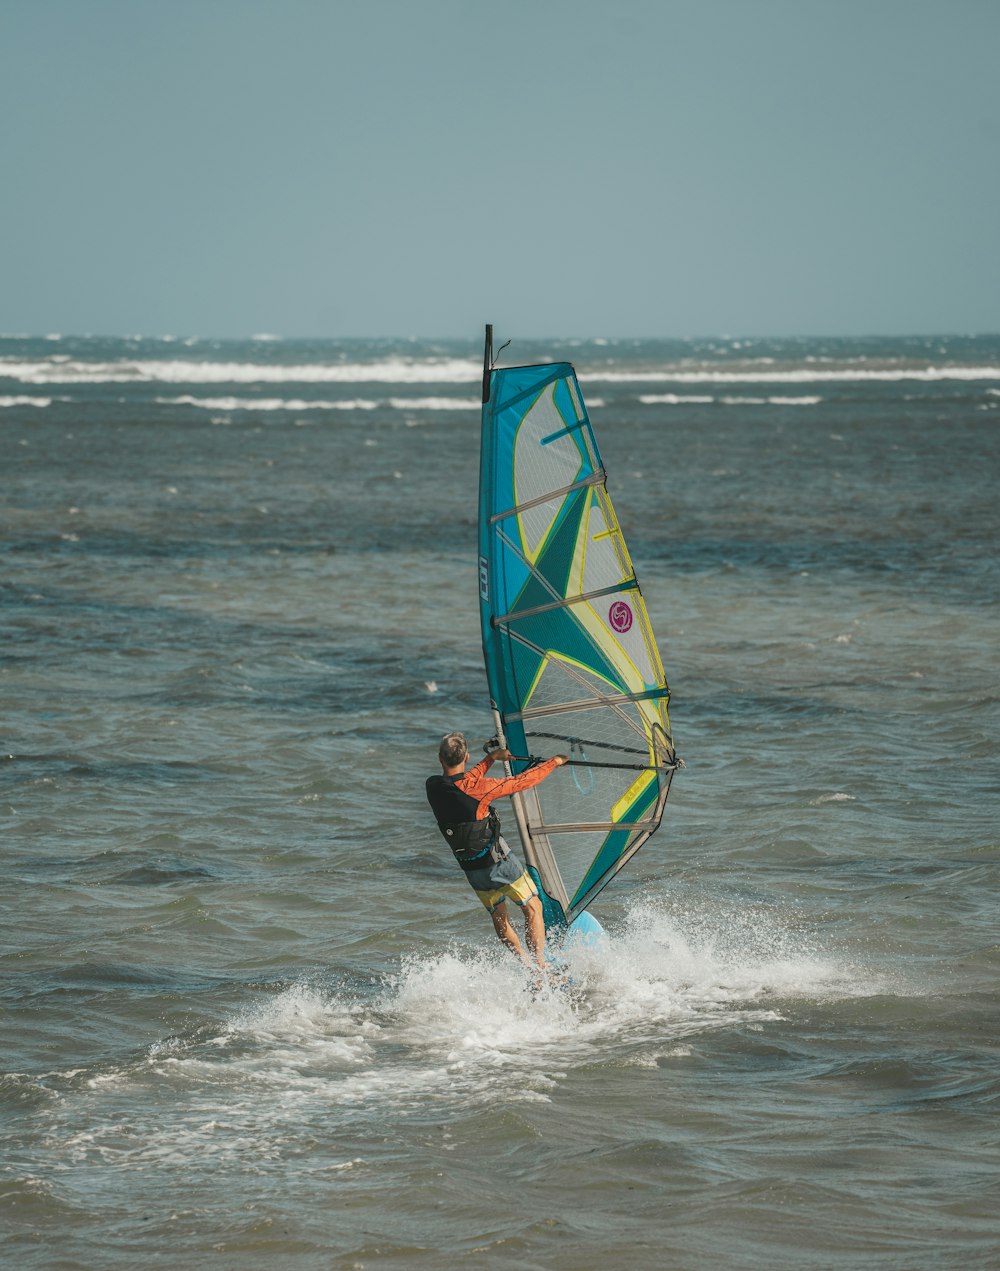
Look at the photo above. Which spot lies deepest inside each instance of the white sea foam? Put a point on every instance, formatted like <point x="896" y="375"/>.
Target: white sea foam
<point x="395" y="370"/>
<point x="301" y="404"/>
<point x="441" y="370"/>
<point x="439" y="403"/>
<point x="266" y="403"/>
<point x="25" y="401"/>
<point x="458" y="1028"/>
<point x="303" y="1019"/>
<point x="730" y="400"/>
<point x="707" y="955"/>
<point x="672" y="399"/>
<point x="667" y="974"/>
<point x="447" y="1017"/>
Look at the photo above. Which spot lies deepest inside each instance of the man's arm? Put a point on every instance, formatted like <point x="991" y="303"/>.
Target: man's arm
<point x="490" y="788"/>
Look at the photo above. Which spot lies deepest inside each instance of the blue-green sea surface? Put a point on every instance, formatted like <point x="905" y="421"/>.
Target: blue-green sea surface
<point x="252" y="1015"/>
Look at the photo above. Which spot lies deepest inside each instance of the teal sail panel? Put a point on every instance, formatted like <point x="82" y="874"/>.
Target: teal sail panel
<point x="571" y="661"/>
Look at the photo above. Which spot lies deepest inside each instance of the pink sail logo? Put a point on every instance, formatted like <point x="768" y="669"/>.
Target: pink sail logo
<point x="620" y="617"/>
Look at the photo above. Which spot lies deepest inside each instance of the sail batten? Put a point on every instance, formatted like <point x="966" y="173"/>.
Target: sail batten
<point x="588" y="703"/>
<point x="567" y="601"/>
<point x="566" y="637"/>
<point x="576" y="827"/>
<point x="596" y="478"/>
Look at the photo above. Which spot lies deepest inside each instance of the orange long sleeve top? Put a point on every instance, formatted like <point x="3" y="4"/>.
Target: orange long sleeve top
<point x="484" y="789"/>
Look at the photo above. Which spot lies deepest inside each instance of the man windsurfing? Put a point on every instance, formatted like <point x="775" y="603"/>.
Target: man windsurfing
<point x="462" y="804"/>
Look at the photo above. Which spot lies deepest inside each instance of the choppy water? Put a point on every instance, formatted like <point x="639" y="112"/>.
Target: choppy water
<point x="252" y="1016"/>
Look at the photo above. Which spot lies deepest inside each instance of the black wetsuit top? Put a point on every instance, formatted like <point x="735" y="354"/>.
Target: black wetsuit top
<point x="474" y="842"/>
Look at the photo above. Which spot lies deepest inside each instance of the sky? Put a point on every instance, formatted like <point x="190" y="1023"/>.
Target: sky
<point x="338" y="168"/>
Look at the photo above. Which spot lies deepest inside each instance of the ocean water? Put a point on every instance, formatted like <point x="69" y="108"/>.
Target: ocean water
<point x="252" y="1015"/>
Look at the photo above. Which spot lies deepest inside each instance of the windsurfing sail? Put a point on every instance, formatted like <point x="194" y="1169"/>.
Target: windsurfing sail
<point x="571" y="661"/>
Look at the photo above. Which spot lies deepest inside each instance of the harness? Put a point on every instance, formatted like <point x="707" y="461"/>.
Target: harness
<point x="475" y="844"/>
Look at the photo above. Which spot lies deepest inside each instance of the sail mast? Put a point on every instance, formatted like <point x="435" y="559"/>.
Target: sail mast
<point x="487" y="362"/>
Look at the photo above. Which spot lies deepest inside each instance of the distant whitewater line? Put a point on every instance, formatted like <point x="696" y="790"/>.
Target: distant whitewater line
<point x="298" y="403"/>
<point x="64" y="370"/>
<point x="676" y="399"/>
<point x="465" y="404"/>
<point x="25" y="401"/>
<point x="180" y="371"/>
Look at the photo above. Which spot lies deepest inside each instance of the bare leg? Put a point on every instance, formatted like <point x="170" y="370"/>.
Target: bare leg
<point x="502" y="926"/>
<point x="534" y="930"/>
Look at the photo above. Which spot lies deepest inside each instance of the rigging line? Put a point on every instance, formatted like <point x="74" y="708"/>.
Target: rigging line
<point x="586" y="785"/>
<point x="497" y="355"/>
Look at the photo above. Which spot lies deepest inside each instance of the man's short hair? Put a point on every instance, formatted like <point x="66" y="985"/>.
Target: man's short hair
<point x="453" y="749"/>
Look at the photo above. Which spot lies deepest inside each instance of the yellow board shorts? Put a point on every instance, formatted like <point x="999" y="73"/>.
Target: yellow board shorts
<point x="520" y="892"/>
